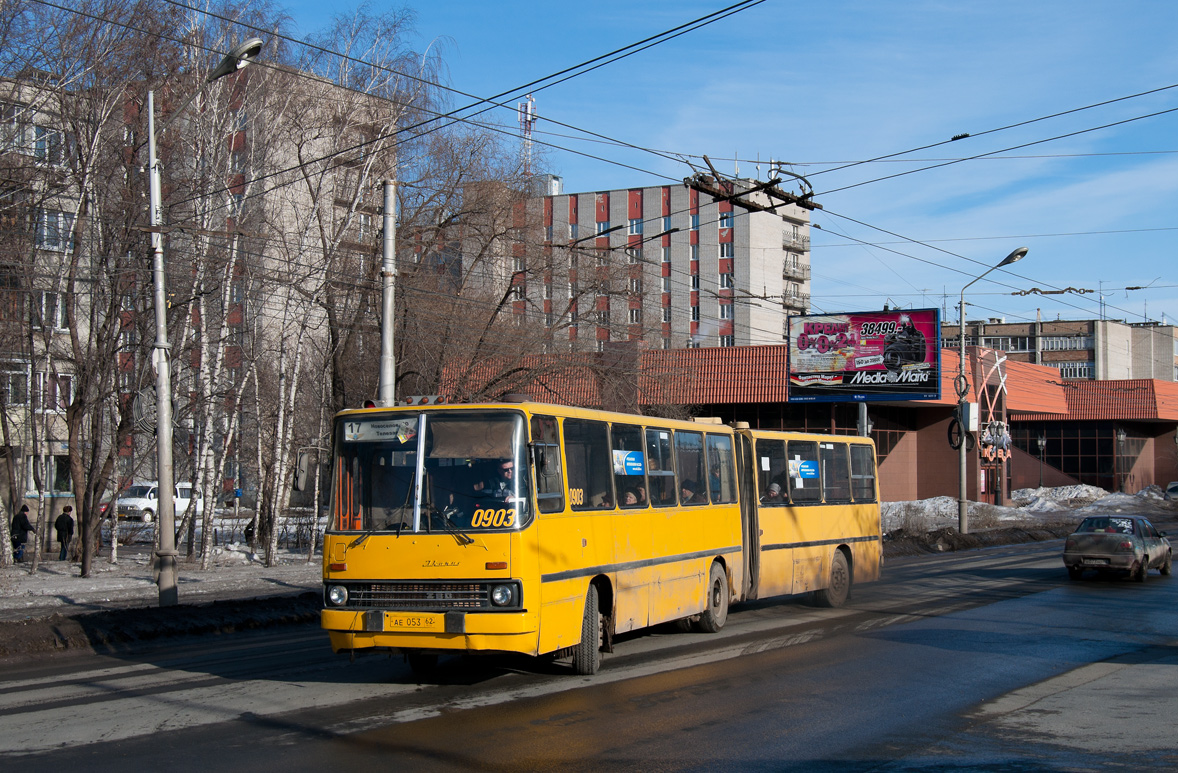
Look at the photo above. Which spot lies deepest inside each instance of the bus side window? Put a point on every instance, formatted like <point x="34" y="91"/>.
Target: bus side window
<point x="546" y="463"/>
<point x="660" y="468"/>
<point x="836" y="474"/>
<point x="772" y="475"/>
<point x="721" y="469"/>
<point x="629" y="466"/>
<point x="802" y="459"/>
<point x="689" y="458"/>
<point x="587" y="457"/>
<point x="863" y="473"/>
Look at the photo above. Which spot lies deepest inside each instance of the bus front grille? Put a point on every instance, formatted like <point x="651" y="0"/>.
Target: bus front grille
<point x="419" y="595"/>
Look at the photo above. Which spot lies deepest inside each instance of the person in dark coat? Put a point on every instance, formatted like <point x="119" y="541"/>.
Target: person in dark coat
<point x="65" y="529"/>
<point x="20" y="532"/>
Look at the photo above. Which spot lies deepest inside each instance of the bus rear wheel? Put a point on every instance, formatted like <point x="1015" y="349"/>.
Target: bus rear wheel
<point x="715" y="612"/>
<point x="587" y="654"/>
<point x="836" y="592"/>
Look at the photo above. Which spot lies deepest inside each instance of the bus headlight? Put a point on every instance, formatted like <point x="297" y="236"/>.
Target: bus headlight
<point x="337" y="595"/>
<point x="502" y="595"/>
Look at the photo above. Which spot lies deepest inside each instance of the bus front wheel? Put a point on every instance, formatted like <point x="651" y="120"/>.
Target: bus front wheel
<point x="587" y="654"/>
<point x="715" y="612"/>
<point x="839" y="587"/>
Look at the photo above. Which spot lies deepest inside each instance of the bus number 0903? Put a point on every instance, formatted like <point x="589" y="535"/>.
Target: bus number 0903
<point x="495" y="518"/>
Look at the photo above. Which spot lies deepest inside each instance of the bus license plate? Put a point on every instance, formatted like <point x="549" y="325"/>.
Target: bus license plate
<point x="402" y="621"/>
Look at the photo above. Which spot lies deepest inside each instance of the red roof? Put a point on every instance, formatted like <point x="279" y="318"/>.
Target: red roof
<point x="1142" y="399"/>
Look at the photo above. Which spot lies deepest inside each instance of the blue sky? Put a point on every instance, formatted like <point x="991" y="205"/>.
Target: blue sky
<point x="820" y="83"/>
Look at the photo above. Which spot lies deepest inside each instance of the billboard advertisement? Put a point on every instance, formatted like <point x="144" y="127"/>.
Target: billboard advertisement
<point x="865" y="356"/>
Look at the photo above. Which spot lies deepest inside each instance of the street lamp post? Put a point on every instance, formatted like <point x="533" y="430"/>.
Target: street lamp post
<point x="1042" y="443"/>
<point x="963" y="390"/>
<point x="239" y="57"/>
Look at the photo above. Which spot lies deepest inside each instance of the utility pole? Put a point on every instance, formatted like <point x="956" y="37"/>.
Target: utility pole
<point x="388" y="274"/>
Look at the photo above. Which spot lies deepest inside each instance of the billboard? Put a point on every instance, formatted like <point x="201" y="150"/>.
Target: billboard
<point x="865" y="355"/>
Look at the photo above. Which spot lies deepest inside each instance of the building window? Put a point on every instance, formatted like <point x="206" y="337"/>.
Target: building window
<point x="14" y="380"/>
<point x="725" y="311"/>
<point x="517" y="292"/>
<point x="55" y="474"/>
<point x="727" y="219"/>
<point x="1074" y="369"/>
<point x="666" y="284"/>
<point x="666" y="223"/>
<point x="572" y="231"/>
<point x="55" y="230"/>
<point x="695" y="281"/>
<point x="635" y="285"/>
<point x="695" y="252"/>
<point x="572" y="290"/>
<point x="726" y="281"/>
<point x="602" y="227"/>
<point x="548" y="319"/>
<point x="50" y="312"/>
<point x="1010" y="343"/>
<point x="634" y="226"/>
<point x="666" y="314"/>
<point x="547" y="233"/>
<point x="49" y="146"/>
<point x="695" y="313"/>
<point x="601" y="346"/>
<point x="727" y="250"/>
<point x="634" y="254"/>
<point x="1067" y="343"/>
<point x="695" y="222"/>
<point x="602" y="258"/>
<point x="666" y="342"/>
<point x="54" y="392"/>
<point x="518" y="265"/>
<point x="727" y="340"/>
<point x="635" y="316"/>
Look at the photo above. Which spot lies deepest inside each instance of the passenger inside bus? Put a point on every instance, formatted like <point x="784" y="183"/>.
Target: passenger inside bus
<point x="689" y="495"/>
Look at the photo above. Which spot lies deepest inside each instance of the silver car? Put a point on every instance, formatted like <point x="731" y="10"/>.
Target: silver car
<point x="1117" y="544"/>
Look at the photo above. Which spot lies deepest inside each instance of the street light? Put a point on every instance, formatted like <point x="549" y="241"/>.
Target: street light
<point x="963" y="390"/>
<point x="1042" y="443"/>
<point x="236" y="59"/>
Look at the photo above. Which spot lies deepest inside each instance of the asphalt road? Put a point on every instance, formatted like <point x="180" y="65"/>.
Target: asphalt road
<point x="988" y="660"/>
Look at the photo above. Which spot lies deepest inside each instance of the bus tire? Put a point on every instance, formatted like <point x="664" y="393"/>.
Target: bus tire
<point x="715" y="612"/>
<point x="587" y="654"/>
<point x="836" y="592"/>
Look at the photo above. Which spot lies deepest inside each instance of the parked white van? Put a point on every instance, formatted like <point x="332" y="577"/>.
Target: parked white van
<point x="141" y="501"/>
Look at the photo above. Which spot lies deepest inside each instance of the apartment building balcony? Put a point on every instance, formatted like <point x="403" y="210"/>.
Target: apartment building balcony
<point x="795" y="300"/>
<point x="797" y="272"/>
<point x="792" y="241"/>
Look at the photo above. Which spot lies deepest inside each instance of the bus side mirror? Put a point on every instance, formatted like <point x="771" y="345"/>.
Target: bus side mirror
<point x="302" y="471"/>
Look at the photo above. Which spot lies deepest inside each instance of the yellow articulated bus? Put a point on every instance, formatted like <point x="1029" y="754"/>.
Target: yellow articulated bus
<point x="546" y="530"/>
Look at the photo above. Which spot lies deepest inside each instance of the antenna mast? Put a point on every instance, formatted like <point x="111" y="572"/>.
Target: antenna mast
<point x="527" y="119"/>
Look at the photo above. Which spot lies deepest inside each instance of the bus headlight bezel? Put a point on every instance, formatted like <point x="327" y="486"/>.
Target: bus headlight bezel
<point x="337" y="595"/>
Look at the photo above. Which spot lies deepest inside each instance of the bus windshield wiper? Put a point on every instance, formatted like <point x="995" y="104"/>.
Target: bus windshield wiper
<point x="462" y="537"/>
<point x="361" y="538"/>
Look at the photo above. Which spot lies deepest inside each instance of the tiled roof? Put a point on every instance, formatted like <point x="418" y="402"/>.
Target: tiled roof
<point x="715" y="376"/>
<point x="1126" y="399"/>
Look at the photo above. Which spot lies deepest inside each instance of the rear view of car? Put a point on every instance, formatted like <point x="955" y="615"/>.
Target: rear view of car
<point x="1117" y="544"/>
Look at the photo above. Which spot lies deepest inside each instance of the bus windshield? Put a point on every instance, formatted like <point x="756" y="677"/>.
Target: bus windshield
<point x="430" y="472"/>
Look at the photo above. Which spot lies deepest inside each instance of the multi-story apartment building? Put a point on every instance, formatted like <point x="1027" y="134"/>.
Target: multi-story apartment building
<point x="1081" y="349"/>
<point x="37" y="209"/>
<point x="669" y="266"/>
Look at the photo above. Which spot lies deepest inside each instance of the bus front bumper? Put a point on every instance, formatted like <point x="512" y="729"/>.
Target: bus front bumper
<point x="459" y="631"/>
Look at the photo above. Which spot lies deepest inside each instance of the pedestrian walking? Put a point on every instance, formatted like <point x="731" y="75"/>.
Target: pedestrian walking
<point x="65" y="529"/>
<point x="20" y="532"/>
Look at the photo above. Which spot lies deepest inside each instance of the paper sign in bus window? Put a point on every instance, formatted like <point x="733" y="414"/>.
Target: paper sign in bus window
<point x="628" y="463"/>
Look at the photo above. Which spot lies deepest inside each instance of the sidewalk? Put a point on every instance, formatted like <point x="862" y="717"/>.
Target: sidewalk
<point x="58" y="587"/>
